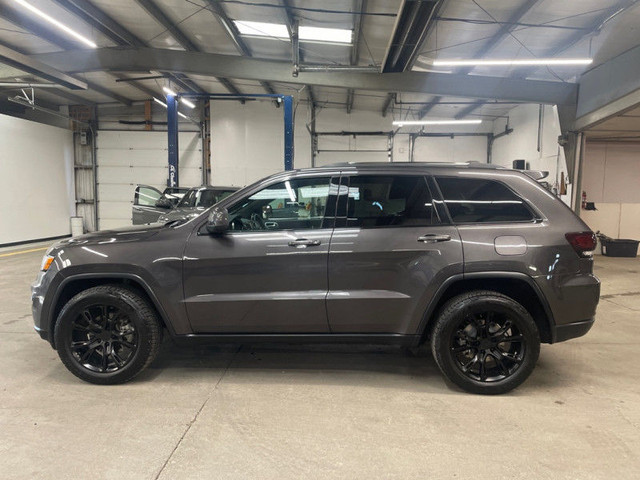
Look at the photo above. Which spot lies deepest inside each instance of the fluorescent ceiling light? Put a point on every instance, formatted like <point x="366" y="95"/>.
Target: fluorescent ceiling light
<point x="331" y="35"/>
<point x="188" y="103"/>
<point x="510" y="62"/>
<point x="261" y="29"/>
<point x="165" y="106"/>
<point x="55" y="22"/>
<point x="402" y="123"/>
<point x="184" y="101"/>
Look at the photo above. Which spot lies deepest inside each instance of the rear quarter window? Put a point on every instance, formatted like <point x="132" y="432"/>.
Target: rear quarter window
<point x="477" y="200"/>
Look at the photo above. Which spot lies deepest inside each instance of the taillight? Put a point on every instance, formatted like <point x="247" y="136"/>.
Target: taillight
<point x="584" y="243"/>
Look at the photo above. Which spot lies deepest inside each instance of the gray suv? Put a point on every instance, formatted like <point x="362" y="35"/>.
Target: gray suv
<point x="481" y="262"/>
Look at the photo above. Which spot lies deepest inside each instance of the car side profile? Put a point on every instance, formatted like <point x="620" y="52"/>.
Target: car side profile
<point x="480" y="262"/>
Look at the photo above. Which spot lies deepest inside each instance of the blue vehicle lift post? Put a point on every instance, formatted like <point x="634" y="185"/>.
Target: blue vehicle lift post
<point x="172" y="126"/>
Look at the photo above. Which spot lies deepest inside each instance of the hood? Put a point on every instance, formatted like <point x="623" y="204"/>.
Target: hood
<point x="116" y="235"/>
<point x="179" y="213"/>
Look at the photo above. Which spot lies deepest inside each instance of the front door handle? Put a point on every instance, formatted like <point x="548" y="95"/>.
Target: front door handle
<point x="433" y="238"/>
<point x="304" y="243"/>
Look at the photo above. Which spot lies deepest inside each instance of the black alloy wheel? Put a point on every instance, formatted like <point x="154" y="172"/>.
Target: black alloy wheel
<point x="485" y="342"/>
<point x="107" y="334"/>
<point x="103" y="338"/>
<point x="488" y="346"/>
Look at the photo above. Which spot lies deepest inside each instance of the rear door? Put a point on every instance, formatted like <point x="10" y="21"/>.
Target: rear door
<point x="144" y="208"/>
<point x="392" y="248"/>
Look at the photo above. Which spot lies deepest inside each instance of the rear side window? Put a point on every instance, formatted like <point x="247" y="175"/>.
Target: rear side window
<point x="475" y="200"/>
<point x="389" y="200"/>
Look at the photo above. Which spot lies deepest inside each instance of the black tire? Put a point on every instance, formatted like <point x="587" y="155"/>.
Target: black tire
<point x="107" y="334"/>
<point x="485" y="342"/>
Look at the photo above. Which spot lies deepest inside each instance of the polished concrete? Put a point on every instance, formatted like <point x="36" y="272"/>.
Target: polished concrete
<point x="271" y="412"/>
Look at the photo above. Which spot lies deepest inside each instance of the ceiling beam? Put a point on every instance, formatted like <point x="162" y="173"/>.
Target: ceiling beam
<point x="469" y="109"/>
<point x="503" y="32"/>
<point x="234" y="35"/>
<point x="232" y="31"/>
<point x="354" y="57"/>
<point x="24" y="21"/>
<point x="39" y="69"/>
<point x="159" y="16"/>
<point x="427" y="108"/>
<point x="574" y="38"/>
<point x="232" y="66"/>
<point x="102" y="22"/>
<point x="414" y="22"/>
<point x="52" y="37"/>
<point x="387" y="103"/>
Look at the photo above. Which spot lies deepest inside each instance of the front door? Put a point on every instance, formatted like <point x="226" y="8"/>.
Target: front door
<point x="391" y="249"/>
<point x="144" y="208"/>
<point x="268" y="273"/>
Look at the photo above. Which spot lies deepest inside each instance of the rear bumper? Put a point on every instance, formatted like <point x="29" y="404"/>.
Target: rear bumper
<point x="562" y="333"/>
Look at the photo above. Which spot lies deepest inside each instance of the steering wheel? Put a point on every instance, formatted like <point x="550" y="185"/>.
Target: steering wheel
<point x="256" y="222"/>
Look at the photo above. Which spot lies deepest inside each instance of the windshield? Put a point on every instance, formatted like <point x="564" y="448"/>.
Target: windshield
<point x="203" y="198"/>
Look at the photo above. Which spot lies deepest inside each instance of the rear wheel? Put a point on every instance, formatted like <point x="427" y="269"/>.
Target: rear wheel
<point x="107" y="334"/>
<point x="485" y="342"/>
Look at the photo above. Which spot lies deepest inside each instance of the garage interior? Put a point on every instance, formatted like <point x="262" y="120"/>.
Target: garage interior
<point x="98" y="97"/>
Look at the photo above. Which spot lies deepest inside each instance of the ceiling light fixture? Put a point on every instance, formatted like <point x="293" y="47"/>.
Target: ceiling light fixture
<point x="55" y="22"/>
<point x="329" y="35"/>
<point x="512" y="62"/>
<point x="165" y="106"/>
<point x="184" y="101"/>
<point x="403" y="123"/>
<point x="261" y="29"/>
<point x="305" y="33"/>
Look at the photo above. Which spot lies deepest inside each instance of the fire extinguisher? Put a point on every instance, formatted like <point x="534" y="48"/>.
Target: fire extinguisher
<point x="584" y="199"/>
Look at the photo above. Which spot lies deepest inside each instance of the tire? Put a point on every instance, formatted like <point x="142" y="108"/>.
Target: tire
<point x="107" y="334"/>
<point x="485" y="342"/>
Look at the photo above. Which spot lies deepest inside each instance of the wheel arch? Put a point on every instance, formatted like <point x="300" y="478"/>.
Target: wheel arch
<point x="71" y="286"/>
<point x="518" y="286"/>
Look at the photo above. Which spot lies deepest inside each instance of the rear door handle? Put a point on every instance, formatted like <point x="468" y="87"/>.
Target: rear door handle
<point x="304" y="243"/>
<point x="433" y="238"/>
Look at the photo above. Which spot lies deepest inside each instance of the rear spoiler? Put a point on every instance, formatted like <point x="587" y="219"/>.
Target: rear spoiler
<point x="537" y="175"/>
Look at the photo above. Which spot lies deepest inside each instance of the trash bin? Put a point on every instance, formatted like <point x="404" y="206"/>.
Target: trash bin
<point x="621" y="247"/>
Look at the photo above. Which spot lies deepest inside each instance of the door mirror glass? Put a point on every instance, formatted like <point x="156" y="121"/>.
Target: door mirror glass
<point x="218" y="221"/>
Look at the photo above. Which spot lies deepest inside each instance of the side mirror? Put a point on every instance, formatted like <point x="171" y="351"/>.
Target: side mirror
<point x="218" y="221"/>
<point x="164" y="203"/>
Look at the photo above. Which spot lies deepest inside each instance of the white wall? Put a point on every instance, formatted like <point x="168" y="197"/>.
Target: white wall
<point x="38" y="188"/>
<point x="247" y="141"/>
<point x="611" y="176"/>
<point x="523" y="142"/>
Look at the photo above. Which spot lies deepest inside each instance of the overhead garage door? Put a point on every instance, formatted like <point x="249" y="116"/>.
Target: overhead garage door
<point x="126" y="159"/>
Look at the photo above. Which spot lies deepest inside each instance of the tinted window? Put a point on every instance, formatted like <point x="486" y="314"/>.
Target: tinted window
<point x="385" y="200"/>
<point x="294" y="204"/>
<point x="474" y="200"/>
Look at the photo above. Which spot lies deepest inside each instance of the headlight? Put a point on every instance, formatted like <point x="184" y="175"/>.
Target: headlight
<point x="47" y="260"/>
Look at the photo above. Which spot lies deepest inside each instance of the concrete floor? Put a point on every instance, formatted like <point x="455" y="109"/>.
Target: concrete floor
<point x="296" y="412"/>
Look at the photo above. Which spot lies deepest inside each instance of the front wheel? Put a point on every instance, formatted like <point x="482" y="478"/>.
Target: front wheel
<point x="485" y="342"/>
<point x="107" y="334"/>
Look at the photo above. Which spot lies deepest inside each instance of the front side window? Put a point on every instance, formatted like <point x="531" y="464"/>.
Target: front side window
<point x="389" y="200"/>
<point x="146" y="196"/>
<point x="476" y="200"/>
<point x="290" y="205"/>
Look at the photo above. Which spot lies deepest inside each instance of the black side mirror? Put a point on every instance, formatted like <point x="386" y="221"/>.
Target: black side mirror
<point x="218" y="221"/>
<point x="164" y="203"/>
